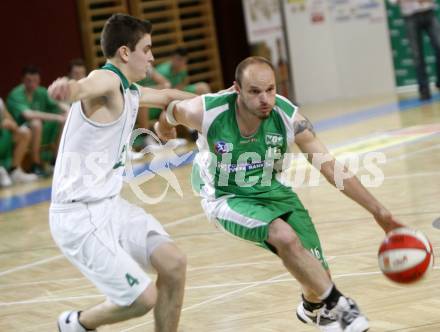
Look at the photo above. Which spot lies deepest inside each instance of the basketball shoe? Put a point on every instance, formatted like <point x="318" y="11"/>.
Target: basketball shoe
<point x="68" y="322"/>
<point x="321" y="318"/>
<point x="349" y="316"/>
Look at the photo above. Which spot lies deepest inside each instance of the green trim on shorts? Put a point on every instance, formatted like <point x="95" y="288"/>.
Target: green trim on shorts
<point x="248" y="234"/>
<point x="258" y="211"/>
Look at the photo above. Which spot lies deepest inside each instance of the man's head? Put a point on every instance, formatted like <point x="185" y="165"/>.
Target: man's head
<point x="77" y="69"/>
<point x="179" y="59"/>
<point x="256" y="85"/>
<point x="31" y="78"/>
<point x="127" y="40"/>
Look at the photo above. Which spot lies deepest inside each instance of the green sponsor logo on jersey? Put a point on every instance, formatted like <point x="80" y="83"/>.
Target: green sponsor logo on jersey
<point x="273" y="139"/>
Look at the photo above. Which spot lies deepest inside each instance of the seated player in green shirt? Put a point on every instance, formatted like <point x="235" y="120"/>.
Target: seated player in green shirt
<point x="31" y="106"/>
<point x="176" y="72"/>
<point x="14" y="142"/>
<point x="171" y="74"/>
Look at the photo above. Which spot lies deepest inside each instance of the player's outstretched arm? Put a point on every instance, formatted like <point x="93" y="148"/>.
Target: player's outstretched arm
<point x="188" y="113"/>
<point x="337" y="174"/>
<point x="161" y="98"/>
<point x="99" y="83"/>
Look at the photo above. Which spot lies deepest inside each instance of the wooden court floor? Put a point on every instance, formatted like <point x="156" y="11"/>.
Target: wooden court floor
<point x="235" y="287"/>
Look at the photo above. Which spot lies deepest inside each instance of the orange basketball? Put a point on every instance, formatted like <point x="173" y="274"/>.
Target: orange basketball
<point x="405" y="255"/>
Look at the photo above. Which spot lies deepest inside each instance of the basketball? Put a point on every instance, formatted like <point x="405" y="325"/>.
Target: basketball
<point x="405" y="255"/>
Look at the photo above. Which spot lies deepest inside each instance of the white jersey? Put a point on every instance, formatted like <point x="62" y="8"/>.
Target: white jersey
<point x="91" y="156"/>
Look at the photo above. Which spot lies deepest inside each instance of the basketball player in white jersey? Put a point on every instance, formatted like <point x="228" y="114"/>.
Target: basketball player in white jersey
<point x="111" y="241"/>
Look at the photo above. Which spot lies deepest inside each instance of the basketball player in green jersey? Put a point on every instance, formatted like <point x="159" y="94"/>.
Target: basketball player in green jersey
<point x="111" y="241"/>
<point x="244" y="134"/>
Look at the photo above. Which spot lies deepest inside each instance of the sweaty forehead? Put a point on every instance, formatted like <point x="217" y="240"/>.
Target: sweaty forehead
<point x="258" y="74"/>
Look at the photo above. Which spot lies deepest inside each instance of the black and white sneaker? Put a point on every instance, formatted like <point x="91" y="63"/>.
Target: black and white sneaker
<point x="321" y="318"/>
<point x="349" y="316"/>
<point x="68" y="322"/>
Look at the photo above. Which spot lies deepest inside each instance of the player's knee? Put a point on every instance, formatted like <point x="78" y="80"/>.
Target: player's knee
<point x="288" y="242"/>
<point x="24" y="134"/>
<point x="175" y="267"/>
<point x="282" y="236"/>
<point x="36" y="125"/>
<point x="178" y="264"/>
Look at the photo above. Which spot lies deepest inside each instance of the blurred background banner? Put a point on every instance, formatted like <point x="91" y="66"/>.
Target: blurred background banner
<point x="404" y="71"/>
<point x="338" y="49"/>
<point x="266" y="38"/>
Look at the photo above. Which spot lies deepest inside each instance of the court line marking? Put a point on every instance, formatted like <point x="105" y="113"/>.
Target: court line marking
<point x="412" y="153"/>
<point x="201" y="268"/>
<point x="183" y="220"/>
<point x="171" y="224"/>
<point x="43" y="300"/>
<point x="272" y="280"/>
<point x="53" y="258"/>
<point x="248" y="284"/>
<point x="30" y="265"/>
<point x="213" y="299"/>
<point x="418" y="174"/>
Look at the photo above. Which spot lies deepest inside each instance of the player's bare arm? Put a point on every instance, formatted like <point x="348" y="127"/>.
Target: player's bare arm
<point x="161" y="98"/>
<point x="99" y="83"/>
<point x="319" y="156"/>
<point x="186" y="112"/>
<point x="38" y="115"/>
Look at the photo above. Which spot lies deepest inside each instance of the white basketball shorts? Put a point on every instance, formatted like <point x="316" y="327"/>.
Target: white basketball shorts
<point x="110" y="242"/>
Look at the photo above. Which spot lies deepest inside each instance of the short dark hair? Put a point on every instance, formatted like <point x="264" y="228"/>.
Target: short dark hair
<point x="30" y="69"/>
<point x="181" y="51"/>
<point x="247" y="62"/>
<point x="122" y="30"/>
<point x="78" y="62"/>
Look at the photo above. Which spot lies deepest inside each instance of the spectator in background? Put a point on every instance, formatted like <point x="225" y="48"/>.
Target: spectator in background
<point x="420" y="17"/>
<point x="145" y="114"/>
<point x="31" y="106"/>
<point x="176" y="72"/>
<point x="21" y="137"/>
<point x="172" y="73"/>
<point x="77" y="69"/>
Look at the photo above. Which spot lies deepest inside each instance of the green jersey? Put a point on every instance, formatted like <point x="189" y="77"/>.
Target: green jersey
<point x="239" y="178"/>
<point x="165" y="69"/>
<point x="18" y="102"/>
<point x="231" y="164"/>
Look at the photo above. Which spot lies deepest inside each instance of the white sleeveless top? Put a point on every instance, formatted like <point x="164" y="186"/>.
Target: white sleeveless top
<point x="91" y="156"/>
